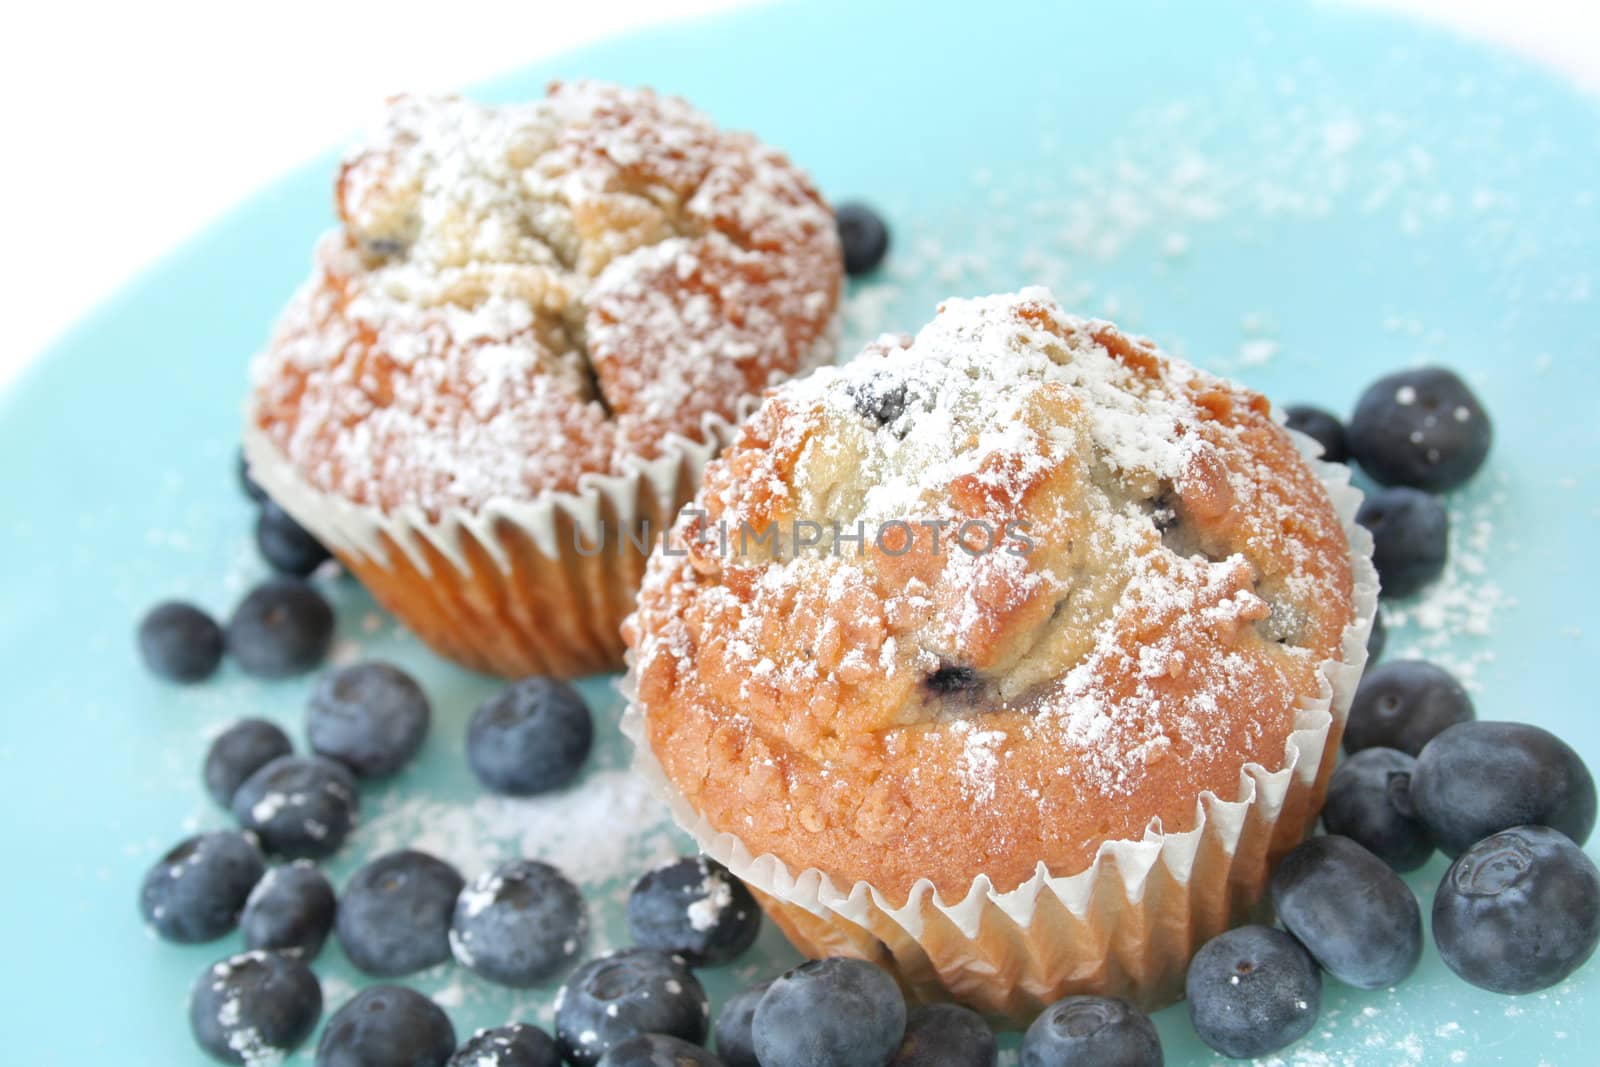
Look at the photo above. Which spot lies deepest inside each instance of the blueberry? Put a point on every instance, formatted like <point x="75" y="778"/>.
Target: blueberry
<point x="735" y="1042"/>
<point x="282" y="628"/>
<point x="1321" y="426"/>
<point x="285" y="544"/>
<point x="394" y="915"/>
<point x="946" y="1035"/>
<point x="880" y="399"/>
<point x="512" y="1045"/>
<point x="254" y="1008"/>
<point x="1518" y="911"/>
<point x="371" y="717"/>
<point x="1355" y="916"/>
<point x="519" y="923"/>
<point x="179" y="642"/>
<point x="1405" y="704"/>
<point x="695" y="908"/>
<point x="251" y="487"/>
<point x="1479" y="778"/>
<point x="1369" y="801"/>
<point x="634" y="991"/>
<point x="1377" y="638"/>
<point x="1410" y="538"/>
<point x="301" y="807"/>
<point x="1423" y="428"/>
<point x="387" y="1025"/>
<point x="1104" y="1031"/>
<point x="240" y="751"/>
<point x="658" y="1050"/>
<point x="1252" y="990"/>
<point x="830" y="1013"/>
<point x="950" y="679"/>
<point x="195" y="892"/>
<point x="531" y="737"/>
<point x="864" y="236"/>
<point x="290" y="911"/>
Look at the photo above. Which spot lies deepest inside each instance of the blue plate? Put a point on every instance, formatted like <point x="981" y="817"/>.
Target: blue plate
<point x="1303" y="197"/>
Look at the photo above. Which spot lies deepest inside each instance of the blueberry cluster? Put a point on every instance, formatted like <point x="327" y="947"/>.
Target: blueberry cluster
<point x="403" y="912"/>
<point x="1416" y="433"/>
<point x="1517" y="911"/>
<point x="282" y="627"/>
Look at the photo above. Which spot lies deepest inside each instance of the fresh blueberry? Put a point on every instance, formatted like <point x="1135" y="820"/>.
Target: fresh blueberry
<point x="283" y="627"/>
<point x="290" y="911"/>
<point x="946" y="1035"/>
<point x="179" y="642"/>
<point x="1104" y="1031"/>
<point x="736" y="1044"/>
<point x="195" y="892"/>
<point x="240" y="751"/>
<point x="300" y="807"/>
<point x="1369" y="801"/>
<point x="519" y="923"/>
<point x="531" y="737"/>
<point x="1252" y="990"/>
<point x="254" y="1008"/>
<point x="1355" y="916"/>
<point x="1377" y="638"/>
<point x="1479" y="778"/>
<point x="1321" y="426"/>
<point x="830" y="1013"/>
<point x="1405" y="704"/>
<point x="512" y="1045"/>
<point x="1423" y="428"/>
<point x="658" y="1050"/>
<point x="1518" y="911"/>
<point x="864" y="236"/>
<point x="394" y="915"/>
<point x="634" y="991"/>
<point x="387" y="1025"/>
<point x="1410" y="538"/>
<point x="285" y="544"/>
<point x="695" y="908"/>
<point x="371" y="717"/>
<point x="251" y="487"/>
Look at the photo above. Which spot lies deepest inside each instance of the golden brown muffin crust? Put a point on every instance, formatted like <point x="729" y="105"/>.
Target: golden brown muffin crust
<point x="519" y="296"/>
<point x="898" y="711"/>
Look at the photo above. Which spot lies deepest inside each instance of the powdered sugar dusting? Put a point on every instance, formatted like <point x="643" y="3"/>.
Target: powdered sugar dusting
<point x="524" y="294"/>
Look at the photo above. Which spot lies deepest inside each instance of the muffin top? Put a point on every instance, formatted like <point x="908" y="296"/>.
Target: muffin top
<point x="520" y="296"/>
<point x="982" y="600"/>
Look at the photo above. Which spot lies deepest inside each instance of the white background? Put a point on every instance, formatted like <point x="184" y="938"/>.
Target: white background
<point x="128" y="127"/>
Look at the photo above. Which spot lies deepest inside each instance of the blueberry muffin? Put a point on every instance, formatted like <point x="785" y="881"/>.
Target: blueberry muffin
<point x="1008" y="656"/>
<point x="532" y="327"/>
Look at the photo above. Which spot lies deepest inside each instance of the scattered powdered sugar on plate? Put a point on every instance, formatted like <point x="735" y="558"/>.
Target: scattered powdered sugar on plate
<point x="606" y="827"/>
<point x="1449" y="621"/>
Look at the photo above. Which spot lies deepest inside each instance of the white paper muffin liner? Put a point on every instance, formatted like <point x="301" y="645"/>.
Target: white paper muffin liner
<point x="1128" y="924"/>
<point x="504" y="588"/>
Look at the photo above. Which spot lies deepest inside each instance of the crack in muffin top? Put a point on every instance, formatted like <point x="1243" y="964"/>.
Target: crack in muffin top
<point x="1157" y="579"/>
<point x="522" y="295"/>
